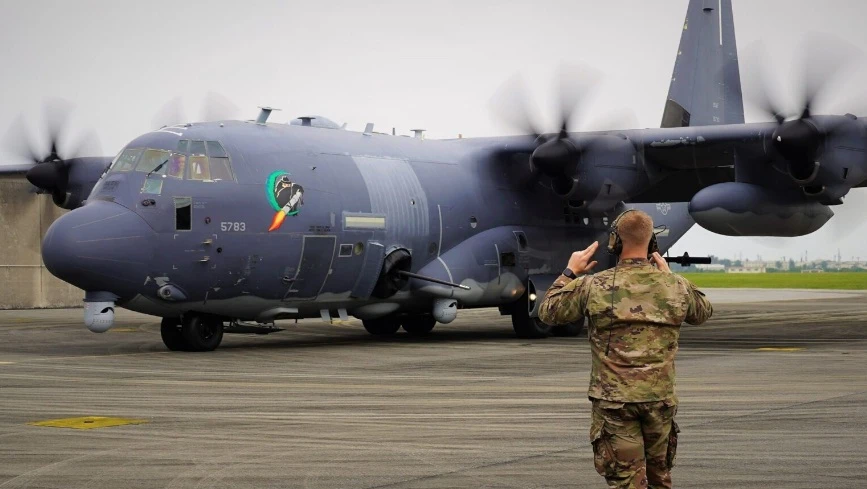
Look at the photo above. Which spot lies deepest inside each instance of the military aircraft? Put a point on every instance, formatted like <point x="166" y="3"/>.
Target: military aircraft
<point x="229" y="226"/>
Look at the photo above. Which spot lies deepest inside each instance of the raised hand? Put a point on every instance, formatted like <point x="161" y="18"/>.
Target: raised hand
<point x="580" y="262"/>
<point x="660" y="262"/>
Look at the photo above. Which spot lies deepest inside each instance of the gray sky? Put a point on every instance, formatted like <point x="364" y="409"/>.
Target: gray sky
<point x="404" y="64"/>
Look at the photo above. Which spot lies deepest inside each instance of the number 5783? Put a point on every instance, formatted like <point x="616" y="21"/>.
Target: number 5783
<point x="233" y="226"/>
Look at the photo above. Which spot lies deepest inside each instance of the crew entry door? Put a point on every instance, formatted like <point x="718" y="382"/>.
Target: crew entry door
<point x="317" y="253"/>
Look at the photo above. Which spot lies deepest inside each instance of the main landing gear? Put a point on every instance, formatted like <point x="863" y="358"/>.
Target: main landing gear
<point x="526" y="326"/>
<point x="415" y="325"/>
<point x="193" y="332"/>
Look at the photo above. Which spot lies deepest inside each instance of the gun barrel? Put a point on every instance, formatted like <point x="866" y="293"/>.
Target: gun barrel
<point x="687" y="260"/>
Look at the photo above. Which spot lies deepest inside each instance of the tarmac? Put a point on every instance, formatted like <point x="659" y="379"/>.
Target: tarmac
<point x="773" y="393"/>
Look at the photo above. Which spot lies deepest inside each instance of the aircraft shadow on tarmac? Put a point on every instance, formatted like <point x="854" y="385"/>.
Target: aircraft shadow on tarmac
<point x="310" y="339"/>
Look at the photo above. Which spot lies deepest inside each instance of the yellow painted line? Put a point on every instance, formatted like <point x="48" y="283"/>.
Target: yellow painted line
<point x="124" y="330"/>
<point x="780" y="348"/>
<point x="7" y="363"/>
<point x="87" y="422"/>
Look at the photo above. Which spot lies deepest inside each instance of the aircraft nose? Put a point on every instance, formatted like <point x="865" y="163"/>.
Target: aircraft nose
<point x="102" y="246"/>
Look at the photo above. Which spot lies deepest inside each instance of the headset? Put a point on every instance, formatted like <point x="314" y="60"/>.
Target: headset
<point x="615" y="242"/>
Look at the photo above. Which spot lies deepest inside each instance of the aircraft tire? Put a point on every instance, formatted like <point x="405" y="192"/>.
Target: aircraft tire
<point x="568" y="330"/>
<point x="170" y="330"/>
<point x="385" y="326"/>
<point x="202" y="333"/>
<point x="418" y="325"/>
<point x="524" y="325"/>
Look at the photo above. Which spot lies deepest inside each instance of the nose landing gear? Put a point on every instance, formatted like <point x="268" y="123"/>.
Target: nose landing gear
<point x="193" y="332"/>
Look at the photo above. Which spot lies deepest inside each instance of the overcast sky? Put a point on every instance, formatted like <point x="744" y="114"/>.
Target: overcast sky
<point x="398" y="64"/>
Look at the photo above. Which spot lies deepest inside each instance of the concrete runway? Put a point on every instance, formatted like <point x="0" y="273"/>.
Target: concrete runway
<point x="773" y="394"/>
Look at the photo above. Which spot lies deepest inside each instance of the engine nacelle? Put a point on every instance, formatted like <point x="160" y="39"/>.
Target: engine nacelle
<point x="824" y="155"/>
<point x="741" y="209"/>
<point x="68" y="181"/>
<point x="607" y="172"/>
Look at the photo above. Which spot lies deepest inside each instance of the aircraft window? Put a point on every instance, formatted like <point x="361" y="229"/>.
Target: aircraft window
<point x="220" y="169"/>
<point x="151" y="160"/>
<point x="199" y="168"/>
<point x="182" y="146"/>
<point x="126" y="160"/>
<point x="216" y="149"/>
<point x="197" y="147"/>
<point x="183" y="213"/>
<point x="522" y="240"/>
<point x="177" y="165"/>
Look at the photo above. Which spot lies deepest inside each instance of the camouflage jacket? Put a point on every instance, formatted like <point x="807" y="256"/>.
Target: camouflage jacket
<point x="634" y="326"/>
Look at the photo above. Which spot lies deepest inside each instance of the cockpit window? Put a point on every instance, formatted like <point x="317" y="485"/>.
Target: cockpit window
<point x="126" y="161"/>
<point x="197" y="147"/>
<point x="220" y="169"/>
<point x="152" y="159"/>
<point x="204" y="161"/>
<point x="209" y="162"/>
<point x="177" y="165"/>
<point x="215" y="149"/>
<point x="199" y="168"/>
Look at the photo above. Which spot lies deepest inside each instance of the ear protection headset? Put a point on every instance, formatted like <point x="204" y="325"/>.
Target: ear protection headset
<point x="615" y="242"/>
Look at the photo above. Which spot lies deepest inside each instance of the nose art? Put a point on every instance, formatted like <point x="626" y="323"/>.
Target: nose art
<point x="101" y="246"/>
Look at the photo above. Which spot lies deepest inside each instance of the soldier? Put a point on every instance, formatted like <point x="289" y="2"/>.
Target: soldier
<point x="634" y="311"/>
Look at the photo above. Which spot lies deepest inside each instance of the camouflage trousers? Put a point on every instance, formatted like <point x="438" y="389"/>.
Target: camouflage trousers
<point x="634" y="444"/>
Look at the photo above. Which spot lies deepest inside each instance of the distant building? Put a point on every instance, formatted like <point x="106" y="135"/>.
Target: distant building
<point x="715" y="267"/>
<point x="844" y="265"/>
<point x="750" y="267"/>
<point x="758" y="269"/>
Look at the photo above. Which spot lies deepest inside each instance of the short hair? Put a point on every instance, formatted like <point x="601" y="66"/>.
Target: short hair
<point x="635" y="228"/>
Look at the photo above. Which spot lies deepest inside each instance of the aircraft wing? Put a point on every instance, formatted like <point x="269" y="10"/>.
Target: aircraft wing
<point x="690" y="148"/>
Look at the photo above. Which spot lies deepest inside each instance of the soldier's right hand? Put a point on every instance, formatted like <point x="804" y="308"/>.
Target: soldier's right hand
<point x="580" y="262"/>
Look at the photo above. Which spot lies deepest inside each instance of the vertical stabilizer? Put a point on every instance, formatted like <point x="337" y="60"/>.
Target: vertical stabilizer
<point x="705" y="90"/>
<point x="705" y="85"/>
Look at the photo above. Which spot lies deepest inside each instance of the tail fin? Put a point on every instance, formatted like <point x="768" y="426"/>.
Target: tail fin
<point x="706" y="85"/>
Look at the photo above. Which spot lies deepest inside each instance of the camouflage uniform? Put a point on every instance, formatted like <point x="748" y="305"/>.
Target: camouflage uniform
<point x="634" y="329"/>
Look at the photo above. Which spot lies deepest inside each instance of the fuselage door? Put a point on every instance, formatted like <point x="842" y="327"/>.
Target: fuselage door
<point x="317" y="254"/>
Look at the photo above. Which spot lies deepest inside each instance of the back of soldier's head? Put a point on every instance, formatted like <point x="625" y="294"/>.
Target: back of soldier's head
<point x="635" y="229"/>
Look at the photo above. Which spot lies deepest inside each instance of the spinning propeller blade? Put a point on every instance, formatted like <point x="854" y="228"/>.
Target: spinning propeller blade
<point x="48" y="162"/>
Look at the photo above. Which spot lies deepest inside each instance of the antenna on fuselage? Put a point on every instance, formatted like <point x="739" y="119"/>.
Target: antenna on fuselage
<point x="264" y="113"/>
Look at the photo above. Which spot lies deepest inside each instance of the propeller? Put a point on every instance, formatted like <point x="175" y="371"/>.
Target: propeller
<point x="556" y="154"/>
<point x="798" y="137"/>
<point x="50" y="161"/>
<point x="215" y="107"/>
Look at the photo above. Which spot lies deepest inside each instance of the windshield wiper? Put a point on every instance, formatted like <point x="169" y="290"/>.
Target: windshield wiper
<point x="157" y="168"/>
